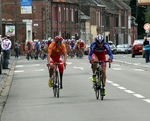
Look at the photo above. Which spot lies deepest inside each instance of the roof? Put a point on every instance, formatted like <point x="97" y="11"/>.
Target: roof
<point x="84" y="17"/>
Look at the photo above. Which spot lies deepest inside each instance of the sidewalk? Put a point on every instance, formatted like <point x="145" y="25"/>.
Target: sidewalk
<point x="5" y="82"/>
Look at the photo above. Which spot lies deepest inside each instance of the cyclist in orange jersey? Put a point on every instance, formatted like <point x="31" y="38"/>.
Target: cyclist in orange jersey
<point x="55" y="50"/>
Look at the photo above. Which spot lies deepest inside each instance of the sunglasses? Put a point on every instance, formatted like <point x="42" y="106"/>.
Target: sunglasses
<point x="58" y="42"/>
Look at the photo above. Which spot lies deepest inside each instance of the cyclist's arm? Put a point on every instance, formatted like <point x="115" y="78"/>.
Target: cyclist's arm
<point x="90" y="53"/>
<point x="48" y="56"/>
<point x="65" y="56"/>
<point x="109" y="51"/>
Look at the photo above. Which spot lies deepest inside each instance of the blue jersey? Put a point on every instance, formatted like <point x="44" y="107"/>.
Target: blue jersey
<point x="37" y="46"/>
<point x="43" y="45"/>
<point x="99" y="51"/>
<point x="72" y="44"/>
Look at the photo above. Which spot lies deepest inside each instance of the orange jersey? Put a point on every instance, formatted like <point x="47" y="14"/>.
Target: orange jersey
<point x="56" y="51"/>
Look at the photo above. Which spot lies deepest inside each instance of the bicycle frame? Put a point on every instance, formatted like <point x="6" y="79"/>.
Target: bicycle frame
<point x="56" y="80"/>
<point x="99" y="86"/>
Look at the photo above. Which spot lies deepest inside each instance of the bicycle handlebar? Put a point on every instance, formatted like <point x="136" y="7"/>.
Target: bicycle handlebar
<point x="102" y="62"/>
<point x="56" y="64"/>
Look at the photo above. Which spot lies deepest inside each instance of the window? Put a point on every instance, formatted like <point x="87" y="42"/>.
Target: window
<point x="76" y="16"/>
<point x="66" y="14"/>
<point x="116" y="22"/>
<point x="59" y="14"/>
<point x="107" y="21"/>
<point x="72" y="15"/>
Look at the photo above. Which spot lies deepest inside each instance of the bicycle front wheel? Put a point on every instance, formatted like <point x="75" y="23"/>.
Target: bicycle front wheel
<point x="96" y="92"/>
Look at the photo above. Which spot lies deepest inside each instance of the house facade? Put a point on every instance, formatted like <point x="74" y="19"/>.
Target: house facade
<point x="71" y="19"/>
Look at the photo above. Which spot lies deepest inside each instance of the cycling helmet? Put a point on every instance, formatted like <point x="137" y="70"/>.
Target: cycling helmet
<point x="99" y="39"/>
<point x="71" y="41"/>
<point x="58" y="39"/>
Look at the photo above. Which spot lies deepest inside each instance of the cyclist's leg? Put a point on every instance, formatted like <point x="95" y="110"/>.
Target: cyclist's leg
<point x="51" y="72"/>
<point x="104" y="74"/>
<point x="61" y="68"/>
<point x="103" y="58"/>
<point x="95" y="58"/>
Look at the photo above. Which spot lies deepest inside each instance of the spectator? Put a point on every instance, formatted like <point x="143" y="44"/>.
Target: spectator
<point x="6" y="45"/>
<point x="146" y="49"/>
<point x="17" y="49"/>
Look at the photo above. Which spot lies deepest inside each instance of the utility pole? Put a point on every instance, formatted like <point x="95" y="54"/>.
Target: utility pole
<point x="47" y="6"/>
<point x="0" y="17"/>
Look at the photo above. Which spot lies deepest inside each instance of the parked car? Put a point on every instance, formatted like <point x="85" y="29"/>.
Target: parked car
<point x="137" y="48"/>
<point x="124" y="48"/>
<point x="86" y="49"/>
<point x="113" y="49"/>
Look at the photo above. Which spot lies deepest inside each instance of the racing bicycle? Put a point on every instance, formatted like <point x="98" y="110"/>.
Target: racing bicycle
<point x="56" y="80"/>
<point x="99" y="84"/>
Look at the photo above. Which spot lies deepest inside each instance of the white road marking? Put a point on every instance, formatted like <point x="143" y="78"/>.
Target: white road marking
<point x="138" y="96"/>
<point x="35" y="65"/>
<point x="138" y="69"/>
<point x="147" y="100"/>
<point x="19" y="71"/>
<point x="123" y="88"/>
<point x="117" y="69"/>
<point x="19" y="66"/>
<point x="129" y="91"/>
<point x="116" y="85"/>
<point x="127" y="63"/>
<point x="81" y="68"/>
<point x="39" y="70"/>
<point x="136" y="64"/>
<point x="69" y="63"/>
<point x="109" y="81"/>
<point x="116" y="65"/>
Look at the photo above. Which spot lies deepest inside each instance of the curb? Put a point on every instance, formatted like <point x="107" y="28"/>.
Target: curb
<point x="6" y="87"/>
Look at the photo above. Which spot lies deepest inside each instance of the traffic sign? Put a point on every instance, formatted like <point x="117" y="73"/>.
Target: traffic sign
<point x="147" y="26"/>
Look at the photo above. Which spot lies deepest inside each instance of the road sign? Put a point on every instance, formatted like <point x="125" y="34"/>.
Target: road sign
<point x="26" y="7"/>
<point x="147" y="26"/>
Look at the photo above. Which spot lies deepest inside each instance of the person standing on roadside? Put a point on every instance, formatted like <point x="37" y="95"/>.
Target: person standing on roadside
<point x="146" y="49"/>
<point x="6" y="45"/>
<point x="17" y="49"/>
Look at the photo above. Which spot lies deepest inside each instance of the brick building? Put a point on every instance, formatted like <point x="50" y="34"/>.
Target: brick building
<point x="108" y="17"/>
<point x="63" y="17"/>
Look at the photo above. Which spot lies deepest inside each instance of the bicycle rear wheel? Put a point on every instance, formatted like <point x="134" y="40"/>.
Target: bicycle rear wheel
<point x="58" y="84"/>
<point x="101" y="86"/>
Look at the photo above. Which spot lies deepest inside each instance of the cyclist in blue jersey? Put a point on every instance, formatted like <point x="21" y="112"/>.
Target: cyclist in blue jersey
<point x="72" y="45"/>
<point x="97" y="53"/>
<point x="37" y="48"/>
<point x="42" y="47"/>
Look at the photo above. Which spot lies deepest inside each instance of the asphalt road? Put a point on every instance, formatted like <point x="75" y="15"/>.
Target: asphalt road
<point x="30" y="98"/>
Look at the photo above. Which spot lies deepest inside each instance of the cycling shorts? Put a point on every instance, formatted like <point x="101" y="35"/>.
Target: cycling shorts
<point x="57" y="59"/>
<point x="100" y="58"/>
